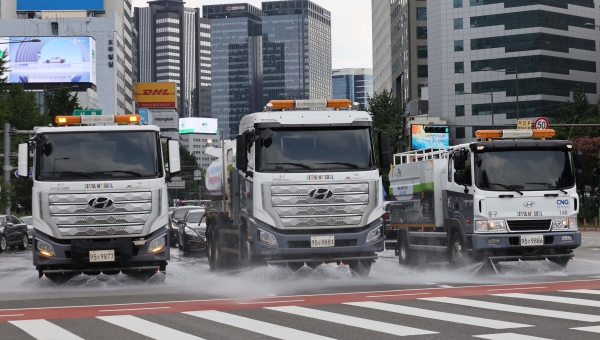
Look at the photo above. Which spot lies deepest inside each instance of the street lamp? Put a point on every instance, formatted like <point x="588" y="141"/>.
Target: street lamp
<point x="490" y="92"/>
<point x="511" y="69"/>
<point x="46" y="98"/>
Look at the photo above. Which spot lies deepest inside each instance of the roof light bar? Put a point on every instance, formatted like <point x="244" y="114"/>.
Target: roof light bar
<point x="311" y="104"/>
<point x="99" y="119"/>
<point x="511" y="134"/>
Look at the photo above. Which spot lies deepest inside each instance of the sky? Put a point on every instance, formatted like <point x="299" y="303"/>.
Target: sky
<point x="350" y="28"/>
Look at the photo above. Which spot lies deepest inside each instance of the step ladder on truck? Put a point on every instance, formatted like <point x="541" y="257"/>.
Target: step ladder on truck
<point x="510" y="196"/>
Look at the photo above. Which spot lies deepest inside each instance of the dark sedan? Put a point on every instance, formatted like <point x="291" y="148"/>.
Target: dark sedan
<point x="192" y="231"/>
<point x="176" y="220"/>
<point x="13" y="232"/>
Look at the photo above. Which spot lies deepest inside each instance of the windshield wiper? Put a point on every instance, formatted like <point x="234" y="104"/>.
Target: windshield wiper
<point x="69" y="172"/>
<point x="300" y="165"/>
<point x="507" y="187"/>
<point x="342" y="163"/>
<point x="137" y="174"/>
<point x="548" y="185"/>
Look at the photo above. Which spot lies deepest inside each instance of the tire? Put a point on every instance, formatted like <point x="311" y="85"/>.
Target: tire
<point x="406" y="257"/>
<point x="360" y="268"/>
<point x="184" y="246"/>
<point x="457" y="255"/>
<point x="3" y="243"/>
<point x="563" y="262"/>
<point x="24" y="242"/>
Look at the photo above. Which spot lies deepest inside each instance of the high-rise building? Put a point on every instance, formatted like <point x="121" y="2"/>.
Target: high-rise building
<point x="197" y="143"/>
<point x="170" y="50"/>
<point x="408" y="48"/>
<point x="478" y="49"/>
<point x="296" y="50"/>
<point x="382" y="45"/>
<point x="236" y="44"/>
<point x="355" y="84"/>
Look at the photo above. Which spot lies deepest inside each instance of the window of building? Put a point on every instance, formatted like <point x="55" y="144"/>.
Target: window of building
<point x="421" y="51"/>
<point x="419" y="88"/>
<point x="459" y="67"/>
<point x="458" y="3"/>
<point x="458" y="46"/>
<point x="421" y="13"/>
<point x="422" y="71"/>
<point x="458" y="24"/>
<point x="459" y="88"/>
<point x="460" y="132"/>
<point x="459" y="111"/>
<point x="422" y="32"/>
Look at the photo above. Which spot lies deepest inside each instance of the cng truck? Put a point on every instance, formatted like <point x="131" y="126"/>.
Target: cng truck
<point x="299" y="186"/>
<point x="99" y="197"/>
<point x="511" y="196"/>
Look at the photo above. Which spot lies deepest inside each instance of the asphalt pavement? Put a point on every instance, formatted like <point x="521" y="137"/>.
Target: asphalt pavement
<point x="520" y="300"/>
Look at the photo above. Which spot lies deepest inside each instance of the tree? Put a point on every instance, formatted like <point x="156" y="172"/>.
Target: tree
<point x="578" y="111"/>
<point x="22" y="110"/>
<point x="60" y="102"/>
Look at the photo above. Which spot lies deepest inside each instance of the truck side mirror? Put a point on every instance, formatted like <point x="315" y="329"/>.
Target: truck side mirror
<point x="23" y="161"/>
<point x="174" y="158"/>
<point x="458" y="159"/>
<point x="266" y="134"/>
<point x="241" y="156"/>
<point x="578" y="159"/>
<point x="384" y="149"/>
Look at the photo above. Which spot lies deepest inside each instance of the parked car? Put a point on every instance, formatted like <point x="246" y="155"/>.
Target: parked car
<point x="55" y="60"/>
<point x="29" y="221"/>
<point x="13" y="232"/>
<point x="176" y="220"/>
<point x="192" y="231"/>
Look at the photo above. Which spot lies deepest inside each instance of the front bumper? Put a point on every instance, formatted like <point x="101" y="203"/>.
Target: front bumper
<point x="73" y="255"/>
<point x="294" y="246"/>
<point x="510" y="249"/>
<point x="195" y="242"/>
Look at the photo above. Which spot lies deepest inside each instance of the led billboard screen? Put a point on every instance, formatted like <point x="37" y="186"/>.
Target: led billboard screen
<point x="198" y="125"/>
<point x="51" y="60"/>
<point x="424" y="137"/>
<point x="60" y="5"/>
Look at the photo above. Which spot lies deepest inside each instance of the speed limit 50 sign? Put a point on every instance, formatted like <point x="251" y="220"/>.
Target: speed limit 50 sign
<point x="541" y="123"/>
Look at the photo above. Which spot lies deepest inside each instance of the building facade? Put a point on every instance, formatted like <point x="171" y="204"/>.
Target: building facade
<point x="296" y="50"/>
<point x="355" y="84"/>
<point x="172" y="39"/>
<point x="382" y="45"/>
<point x="528" y="55"/>
<point x="237" y="62"/>
<point x="196" y="144"/>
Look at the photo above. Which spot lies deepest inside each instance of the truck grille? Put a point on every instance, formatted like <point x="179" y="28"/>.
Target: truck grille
<point x="77" y="215"/>
<point x="529" y="225"/>
<point x="339" y="204"/>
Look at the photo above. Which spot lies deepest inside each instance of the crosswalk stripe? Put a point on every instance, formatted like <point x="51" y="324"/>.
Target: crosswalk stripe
<point x="147" y="328"/>
<point x="431" y="314"/>
<point x="517" y="309"/>
<point x="582" y="291"/>
<point x="550" y="298"/>
<point x="347" y="320"/>
<point x="593" y="329"/>
<point x="256" y="326"/>
<point x="509" y="336"/>
<point x="44" y="330"/>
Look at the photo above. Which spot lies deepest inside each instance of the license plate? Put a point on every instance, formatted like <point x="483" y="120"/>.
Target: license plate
<point x="322" y="241"/>
<point x="102" y="255"/>
<point x="532" y="240"/>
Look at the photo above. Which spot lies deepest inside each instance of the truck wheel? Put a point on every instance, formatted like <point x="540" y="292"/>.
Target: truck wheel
<point x="360" y="268"/>
<point x="24" y="242"/>
<point x="406" y="257"/>
<point x="457" y="254"/>
<point x="563" y="262"/>
<point x="3" y="243"/>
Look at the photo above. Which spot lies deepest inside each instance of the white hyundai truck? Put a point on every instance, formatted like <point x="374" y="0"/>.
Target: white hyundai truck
<point x="301" y="187"/>
<point x="511" y="196"/>
<point x="99" y="198"/>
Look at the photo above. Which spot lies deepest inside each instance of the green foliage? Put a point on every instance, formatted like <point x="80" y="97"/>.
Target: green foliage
<point x="578" y="111"/>
<point x="22" y="111"/>
<point x="60" y="102"/>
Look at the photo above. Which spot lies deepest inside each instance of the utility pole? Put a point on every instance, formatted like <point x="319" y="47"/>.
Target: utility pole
<point x="517" y="89"/>
<point x="7" y="168"/>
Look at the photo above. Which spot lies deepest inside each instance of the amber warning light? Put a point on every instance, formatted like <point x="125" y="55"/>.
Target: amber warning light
<point x="99" y="119"/>
<point x="512" y="134"/>
<point x="311" y="104"/>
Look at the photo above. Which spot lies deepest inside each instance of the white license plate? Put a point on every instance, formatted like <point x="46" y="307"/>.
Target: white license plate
<point x="532" y="240"/>
<point x="322" y="241"/>
<point x="102" y="255"/>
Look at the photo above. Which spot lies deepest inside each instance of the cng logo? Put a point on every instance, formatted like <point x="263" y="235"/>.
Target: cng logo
<point x="562" y="202"/>
<point x="157" y="92"/>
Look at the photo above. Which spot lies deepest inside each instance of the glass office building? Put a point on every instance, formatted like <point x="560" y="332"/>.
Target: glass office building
<point x="355" y="84"/>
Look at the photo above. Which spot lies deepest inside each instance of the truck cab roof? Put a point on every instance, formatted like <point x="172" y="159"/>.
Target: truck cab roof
<point x="305" y="118"/>
<point x="95" y="128"/>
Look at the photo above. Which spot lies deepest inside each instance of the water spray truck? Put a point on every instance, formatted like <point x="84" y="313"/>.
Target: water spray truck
<point x="511" y="196"/>
<point x="299" y="186"/>
<point x="99" y="197"/>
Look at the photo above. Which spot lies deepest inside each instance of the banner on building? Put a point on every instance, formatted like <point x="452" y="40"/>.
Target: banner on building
<point x="155" y="95"/>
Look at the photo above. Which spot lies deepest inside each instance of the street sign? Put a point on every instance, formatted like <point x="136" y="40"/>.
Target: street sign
<point x="30" y="173"/>
<point x="524" y="124"/>
<point x="96" y="112"/>
<point x="541" y="123"/>
<point x="197" y="175"/>
<point x="176" y="183"/>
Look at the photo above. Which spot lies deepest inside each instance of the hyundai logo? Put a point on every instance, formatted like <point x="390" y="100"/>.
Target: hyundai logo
<point x="100" y="202"/>
<point x="529" y="204"/>
<point x="320" y="194"/>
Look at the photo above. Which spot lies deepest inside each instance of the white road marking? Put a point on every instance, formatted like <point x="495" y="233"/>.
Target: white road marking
<point x="256" y="326"/>
<point x="45" y="330"/>
<point x="592" y="329"/>
<point x="147" y="328"/>
<point x="582" y="291"/>
<point x="375" y="296"/>
<point x="445" y="286"/>
<point x="352" y="321"/>
<point x="509" y="336"/>
<point x="7" y="315"/>
<point x="501" y="289"/>
<point x="130" y="309"/>
<point x="266" y="302"/>
<point x="556" y="299"/>
<point x="431" y="314"/>
<point x="517" y="309"/>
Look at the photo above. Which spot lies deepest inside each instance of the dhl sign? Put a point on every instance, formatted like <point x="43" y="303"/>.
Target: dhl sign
<point x="155" y="95"/>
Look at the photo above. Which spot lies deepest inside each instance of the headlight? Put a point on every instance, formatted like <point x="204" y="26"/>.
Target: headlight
<point x="374" y="235"/>
<point x="494" y="226"/>
<point x="564" y="224"/>
<point x="44" y="248"/>
<point x="157" y="245"/>
<point x="267" y="238"/>
<point x="191" y="232"/>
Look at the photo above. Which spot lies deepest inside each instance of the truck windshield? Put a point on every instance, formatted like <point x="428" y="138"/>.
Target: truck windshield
<point x="301" y="150"/>
<point x="523" y="170"/>
<point x="99" y="155"/>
